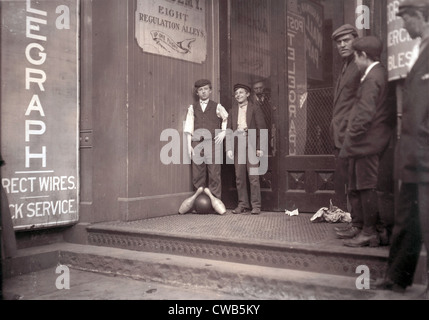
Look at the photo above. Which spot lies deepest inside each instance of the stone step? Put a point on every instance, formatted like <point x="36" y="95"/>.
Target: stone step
<point x="270" y="240"/>
<point x="237" y="279"/>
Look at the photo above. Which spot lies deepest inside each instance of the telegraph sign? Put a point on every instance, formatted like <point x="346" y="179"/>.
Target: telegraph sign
<point x="40" y="111"/>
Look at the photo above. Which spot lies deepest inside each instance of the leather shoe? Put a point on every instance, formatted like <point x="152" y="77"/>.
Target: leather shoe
<point x="256" y="211"/>
<point x="387" y="284"/>
<point x="351" y="233"/>
<point x="344" y="228"/>
<point x="363" y="240"/>
<point x="239" y="210"/>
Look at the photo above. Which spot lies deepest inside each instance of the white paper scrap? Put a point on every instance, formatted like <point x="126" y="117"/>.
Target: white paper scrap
<point x="292" y="213"/>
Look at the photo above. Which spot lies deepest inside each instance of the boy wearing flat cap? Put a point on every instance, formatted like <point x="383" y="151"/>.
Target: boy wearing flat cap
<point x="245" y="121"/>
<point x="370" y="128"/>
<point x="411" y="226"/>
<point x="205" y="130"/>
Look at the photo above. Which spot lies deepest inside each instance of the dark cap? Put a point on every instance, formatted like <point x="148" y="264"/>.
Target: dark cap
<point x="344" y="30"/>
<point x="371" y="45"/>
<point x="241" y="86"/>
<point x="257" y="80"/>
<point x="412" y="4"/>
<point x="202" y="83"/>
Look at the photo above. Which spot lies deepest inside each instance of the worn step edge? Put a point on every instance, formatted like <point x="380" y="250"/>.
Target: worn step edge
<point x="264" y="283"/>
<point x="227" y="277"/>
<point x="257" y="282"/>
<point x="101" y="228"/>
<point x="336" y="261"/>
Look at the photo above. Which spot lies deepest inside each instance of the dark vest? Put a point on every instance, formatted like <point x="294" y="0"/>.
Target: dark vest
<point x="206" y="120"/>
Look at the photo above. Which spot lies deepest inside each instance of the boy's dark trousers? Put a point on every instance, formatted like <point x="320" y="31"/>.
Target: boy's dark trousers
<point x="207" y="161"/>
<point x="241" y="177"/>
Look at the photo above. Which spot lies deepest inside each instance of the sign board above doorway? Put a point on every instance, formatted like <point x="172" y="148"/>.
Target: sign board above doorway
<point x="175" y="29"/>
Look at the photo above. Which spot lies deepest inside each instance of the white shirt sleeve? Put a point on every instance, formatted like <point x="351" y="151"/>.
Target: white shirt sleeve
<point x="189" y="123"/>
<point x="223" y="114"/>
<point x="242" y="118"/>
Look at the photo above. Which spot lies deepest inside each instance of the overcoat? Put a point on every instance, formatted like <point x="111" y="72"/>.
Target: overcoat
<point x="344" y="96"/>
<point x="413" y="150"/>
<point x="372" y="119"/>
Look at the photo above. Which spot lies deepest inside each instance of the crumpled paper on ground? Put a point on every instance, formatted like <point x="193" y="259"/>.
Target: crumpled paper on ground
<point x="331" y="215"/>
<point x="292" y="213"/>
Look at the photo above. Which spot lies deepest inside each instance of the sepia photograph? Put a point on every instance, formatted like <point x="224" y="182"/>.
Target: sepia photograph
<point x="214" y="157"/>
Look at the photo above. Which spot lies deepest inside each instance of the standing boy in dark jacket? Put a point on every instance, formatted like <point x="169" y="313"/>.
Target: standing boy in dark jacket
<point x="245" y="122"/>
<point x="368" y="134"/>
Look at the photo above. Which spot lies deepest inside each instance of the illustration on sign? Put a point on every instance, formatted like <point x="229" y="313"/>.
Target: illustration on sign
<point x="172" y="29"/>
<point x="167" y="43"/>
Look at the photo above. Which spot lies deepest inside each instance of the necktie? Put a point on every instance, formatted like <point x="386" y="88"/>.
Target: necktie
<point x="203" y="105"/>
<point x="343" y="71"/>
<point x="344" y="68"/>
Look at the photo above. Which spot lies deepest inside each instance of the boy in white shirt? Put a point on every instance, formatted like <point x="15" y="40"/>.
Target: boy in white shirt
<point x="205" y="128"/>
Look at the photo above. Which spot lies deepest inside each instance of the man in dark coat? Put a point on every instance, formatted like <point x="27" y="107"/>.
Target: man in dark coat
<point x="370" y="128"/>
<point x="245" y="123"/>
<point x="261" y="98"/>
<point x="344" y="96"/>
<point x="412" y="216"/>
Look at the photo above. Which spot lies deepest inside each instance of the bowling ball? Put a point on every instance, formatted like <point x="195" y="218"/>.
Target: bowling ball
<point x="203" y="204"/>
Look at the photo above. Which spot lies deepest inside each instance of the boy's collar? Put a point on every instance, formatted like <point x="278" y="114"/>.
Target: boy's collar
<point x="368" y="69"/>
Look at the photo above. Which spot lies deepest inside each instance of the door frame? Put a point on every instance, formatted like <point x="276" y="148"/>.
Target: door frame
<point x="270" y="197"/>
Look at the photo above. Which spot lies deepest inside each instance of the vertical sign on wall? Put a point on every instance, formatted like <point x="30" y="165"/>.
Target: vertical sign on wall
<point x="40" y="111"/>
<point x="171" y="28"/>
<point x="251" y="46"/>
<point x="314" y="28"/>
<point x="399" y="43"/>
<point x="297" y="84"/>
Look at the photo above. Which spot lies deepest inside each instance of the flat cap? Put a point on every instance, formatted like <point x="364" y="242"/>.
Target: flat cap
<point x="371" y="45"/>
<point x="344" y="30"/>
<point x="202" y="83"/>
<point x="241" y="86"/>
<point x="412" y="4"/>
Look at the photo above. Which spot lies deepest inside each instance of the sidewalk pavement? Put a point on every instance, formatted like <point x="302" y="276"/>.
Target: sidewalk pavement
<point x="177" y="278"/>
<point x="84" y="285"/>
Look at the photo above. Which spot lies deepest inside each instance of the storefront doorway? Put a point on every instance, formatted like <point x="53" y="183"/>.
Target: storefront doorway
<point x="284" y="50"/>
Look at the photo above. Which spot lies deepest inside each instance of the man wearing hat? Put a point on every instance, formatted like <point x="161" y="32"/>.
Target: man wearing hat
<point x="205" y="128"/>
<point x="261" y="97"/>
<point x="370" y="127"/>
<point x="246" y="120"/>
<point x="344" y="96"/>
<point x="412" y="214"/>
